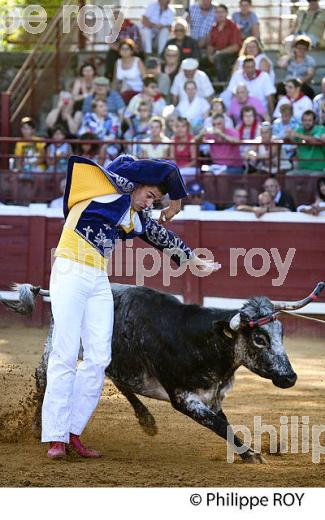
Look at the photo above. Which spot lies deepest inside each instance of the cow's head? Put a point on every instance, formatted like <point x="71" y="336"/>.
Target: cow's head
<point x="259" y="346"/>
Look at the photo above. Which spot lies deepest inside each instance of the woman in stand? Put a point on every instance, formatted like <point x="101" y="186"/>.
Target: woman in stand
<point x="129" y="71"/>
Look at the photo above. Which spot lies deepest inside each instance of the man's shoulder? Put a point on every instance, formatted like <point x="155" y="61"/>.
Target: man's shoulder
<point x="318" y="130"/>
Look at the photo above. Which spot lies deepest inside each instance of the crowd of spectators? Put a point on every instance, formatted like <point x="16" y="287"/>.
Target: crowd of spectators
<point x="192" y="89"/>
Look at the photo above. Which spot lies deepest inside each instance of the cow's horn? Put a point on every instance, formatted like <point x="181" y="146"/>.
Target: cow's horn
<point x="235" y="322"/>
<point x="292" y="306"/>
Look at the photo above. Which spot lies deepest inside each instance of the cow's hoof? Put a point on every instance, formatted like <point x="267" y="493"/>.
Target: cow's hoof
<point x="148" y="424"/>
<point x="254" y="458"/>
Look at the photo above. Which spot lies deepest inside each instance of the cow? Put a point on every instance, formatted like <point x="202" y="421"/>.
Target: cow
<point x="186" y="354"/>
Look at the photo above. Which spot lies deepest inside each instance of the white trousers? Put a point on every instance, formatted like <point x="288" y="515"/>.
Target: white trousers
<point x="82" y="307"/>
<point x="149" y="34"/>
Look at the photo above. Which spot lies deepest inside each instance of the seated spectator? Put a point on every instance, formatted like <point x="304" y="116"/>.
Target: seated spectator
<point x="247" y="128"/>
<point x="89" y="150"/>
<point x="266" y="204"/>
<point x="310" y="22"/>
<point x="172" y="59"/>
<point x="224" y="42"/>
<point x="318" y="207"/>
<point x="258" y="83"/>
<point x="264" y="155"/>
<point x="280" y="197"/>
<point x="189" y="70"/>
<point x="99" y="122"/>
<point x="223" y="147"/>
<point x="300" y="103"/>
<point x="58" y="153"/>
<point x="318" y="100"/>
<point x="157" y="21"/>
<point x="217" y="107"/>
<point x="103" y="92"/>
<point x="194" y="107"/>
<point x="196" y="197"/>
<point x="247" y="20"/>
<point x="253" y="47"/>
<point x="241" y="99"/>
<point x="29" y="156"/>
<point x="58" y="202"/>
<point x="299" y="64"/>
<point x="64" y="115"/>
<point x="187" y="46"/>
<point x="149" y="94"/>
<point x="129" y="71"/>
<point x="239" y="198"/>
<point x="282" y="125"/>
<point x="170" y="116"/>
<point x="156" y="149"/>
<point x="83" y="86"/>
<point x="139" y="125"/>
<point x="128" y="31"/>
<point x="311" y="158"/>
<point x="322" y="114"/>
<point x="183" y="154"/>
<point x="201" y="17"/>
<point x="153" y="68"/>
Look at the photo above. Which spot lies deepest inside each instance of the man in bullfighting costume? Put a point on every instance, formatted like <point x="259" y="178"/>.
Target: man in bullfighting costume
<point x="100" y="207"/>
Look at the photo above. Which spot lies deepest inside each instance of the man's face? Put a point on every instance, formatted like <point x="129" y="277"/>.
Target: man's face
<point x="240" y="197"/>
<point x="190" y="90"/>
<point x="151" y="89"/>
<point x="221" y="14"/>
<point x="272" y="187"/>
<point x="143" y="197"/>
<point x="242" y="94"/>
<point x="308" y="122"/>
<point x="189" y="74"/>
<point x="155" y="129"/>
<point x="101" y="90"/>
<point x="265" y="201"/>
<point x="244" y="7"/>
<point x="218" y="124"/>
<point x="205" y="4"/>
<point x="27" y="130"/>
<point x="286" y="116"/>
<point x="249" y="69"/>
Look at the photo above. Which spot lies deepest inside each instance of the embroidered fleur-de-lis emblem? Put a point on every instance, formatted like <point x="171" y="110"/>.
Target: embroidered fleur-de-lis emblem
<point x="107" y="226"/>
<point x="100" y="238"/>
<point x="87" y="231"/>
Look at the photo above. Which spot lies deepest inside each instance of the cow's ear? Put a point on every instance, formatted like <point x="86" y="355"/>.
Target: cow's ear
<point x="222" y="327"/>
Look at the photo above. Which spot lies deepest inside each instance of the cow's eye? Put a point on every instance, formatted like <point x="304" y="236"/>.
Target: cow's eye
<point x="259" y="340"/>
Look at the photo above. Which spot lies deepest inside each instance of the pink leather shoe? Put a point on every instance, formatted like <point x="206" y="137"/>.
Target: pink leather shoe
<point x="57" y="450"/>
<point x="76" y="444"/>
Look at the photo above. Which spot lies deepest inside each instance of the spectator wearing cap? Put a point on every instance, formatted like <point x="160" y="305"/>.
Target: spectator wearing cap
<point x="29" y="156"/>
<point x="192" y="106"/>
<point x="201" y="17"/>
<point x="309" y="22"/>
<point x="224" y="43"/>
<point x="129" y="70"/>
<point x="187" y="46"/>
<point x="114" y="101"/>
<point x="153" y="68"/>
<point x="157" y="21"/>
<point x="172" y="60"/>
<point x="318" y="101"/>
<point x="63" y="115"/>
<point x="149" y="94"/>
<point x="280" y="197"/>
<point x="247" y="20"/>
<point x="239" y="198"/>
<point x="189" y="70"/>
<point x="183" y="152"/>
<point x="196" y="197"/>
<point x="258" y="83"/>
<point x="128" y="31"/>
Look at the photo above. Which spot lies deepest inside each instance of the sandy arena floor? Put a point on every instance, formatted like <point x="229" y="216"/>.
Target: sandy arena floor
<point x="181" y="454"/>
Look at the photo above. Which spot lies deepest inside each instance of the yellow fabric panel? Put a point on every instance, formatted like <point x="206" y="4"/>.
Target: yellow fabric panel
<point x="87" y="182"/>
<point x="75" y="214"/>
<point x="76" y="248"/>
<point x="131" y="226"/>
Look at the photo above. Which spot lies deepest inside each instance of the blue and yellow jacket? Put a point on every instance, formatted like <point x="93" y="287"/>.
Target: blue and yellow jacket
<point x="97" y="207"/>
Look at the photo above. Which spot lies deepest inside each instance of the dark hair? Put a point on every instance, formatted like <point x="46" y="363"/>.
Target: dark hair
<point x="247" y="108"/>
<point x="129" y="42"/>
<point x="27" y="121"/>
<point x="189" y="82"/>
<point x="88" y="136"/>
<point x="218" y="116"/>
<point x="184" y="120"/>
<point x="248" y="59"/>
<point x="318" y="185"/>
<point x="59" y="128"/>
<point x="309" y="113"/>
<point x="148" y="79"/>
<point x="87" y="65"/>
<point x="296" y="82"/>
<point x="302" y="40"/>
<point x="223" y="6"/>
<point x="247" y="1"/>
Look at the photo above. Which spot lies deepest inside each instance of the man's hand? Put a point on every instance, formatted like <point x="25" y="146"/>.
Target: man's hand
<point x="205" y="266"/>
<point x="168" y="213"/>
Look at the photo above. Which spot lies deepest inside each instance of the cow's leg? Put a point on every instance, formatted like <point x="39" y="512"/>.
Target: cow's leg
<point x="191" y="405"/>
<point x="40" y="376"/>
<point x="146" y="420"/>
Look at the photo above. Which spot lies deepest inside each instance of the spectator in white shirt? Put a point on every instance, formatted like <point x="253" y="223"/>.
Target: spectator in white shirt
<point x="297" y="99"/>
<point x="189" y="70"/>
<point x="258" y="83"/>
<point x="194" y="107"/>
<point x="318" y="101"/>
<point x="157" y="21"/>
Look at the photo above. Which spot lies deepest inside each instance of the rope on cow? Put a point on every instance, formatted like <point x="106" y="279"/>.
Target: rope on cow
<point x="303" y="316"/>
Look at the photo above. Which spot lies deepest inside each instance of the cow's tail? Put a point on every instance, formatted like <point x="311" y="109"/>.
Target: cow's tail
<point x="25" y="302"/>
